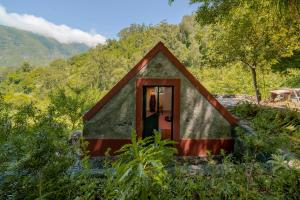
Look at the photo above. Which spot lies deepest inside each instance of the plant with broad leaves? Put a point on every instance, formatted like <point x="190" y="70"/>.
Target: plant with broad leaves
<point x="140" y="170"/>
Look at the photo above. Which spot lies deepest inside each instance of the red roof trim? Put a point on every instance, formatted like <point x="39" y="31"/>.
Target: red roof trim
<point x="122" y="82"/>
<point x="160" y="48"/>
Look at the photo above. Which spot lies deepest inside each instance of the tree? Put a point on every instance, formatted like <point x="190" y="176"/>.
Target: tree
<point x="210" y="10"/>
<point x="68" y="105"/>
<point x="253" y="35"/>
<point x="286" y="63"/>
<point x="26" y="67"/>
<point x="34" y="153"/>
<point x="289" y="7"/>
<point x="248" y="32"/>
<point x="133" y="28"/>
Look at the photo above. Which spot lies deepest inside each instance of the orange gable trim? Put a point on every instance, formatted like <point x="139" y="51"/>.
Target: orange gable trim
<point x="160" y="47"/>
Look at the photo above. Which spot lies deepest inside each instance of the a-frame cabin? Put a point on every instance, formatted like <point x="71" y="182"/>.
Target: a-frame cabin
<point x="160" y="93"/>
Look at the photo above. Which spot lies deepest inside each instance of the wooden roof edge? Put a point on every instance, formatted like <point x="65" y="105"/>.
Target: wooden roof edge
<point x="160" y="47"/>
<point x="209" y="97"/>
<point x="88" y="115"/>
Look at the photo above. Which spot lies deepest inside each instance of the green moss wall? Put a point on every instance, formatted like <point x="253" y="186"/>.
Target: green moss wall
<point x="198" y="118"/>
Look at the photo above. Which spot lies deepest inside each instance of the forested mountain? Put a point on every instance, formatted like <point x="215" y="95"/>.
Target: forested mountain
<point x="96" y="71"/>
<point x="223" y="56"/>
<point x="17" y="46"/>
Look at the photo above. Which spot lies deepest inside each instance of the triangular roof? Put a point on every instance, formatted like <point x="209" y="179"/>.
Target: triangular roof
<point x="160" y="47"/>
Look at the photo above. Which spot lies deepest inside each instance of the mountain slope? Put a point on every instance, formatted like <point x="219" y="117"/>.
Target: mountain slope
<point x="17" y="46"/>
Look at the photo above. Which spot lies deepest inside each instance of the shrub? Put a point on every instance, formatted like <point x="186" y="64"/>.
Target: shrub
<point x="275" y="129"/>
<point x="232" y="180"/>
<point x="140" y="169"/>
<point x="36" y="158"/>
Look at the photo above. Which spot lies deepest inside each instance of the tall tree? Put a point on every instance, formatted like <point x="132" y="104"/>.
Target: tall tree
<point x="209" y="10"/>
<point x="288" y="7"/>
<point x="250" y="32"/>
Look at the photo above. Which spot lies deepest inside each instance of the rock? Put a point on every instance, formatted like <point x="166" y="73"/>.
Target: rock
<point x="228" y="96"/>
<point x="246" y="126"/>
<point x="231" y="100"/>
<point x="75" y="136"/>
<point x="74" y="140"/>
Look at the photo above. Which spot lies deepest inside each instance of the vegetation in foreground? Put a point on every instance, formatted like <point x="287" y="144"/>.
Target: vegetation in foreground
<point x="37" y="159"/>
<point x="226" y="46"/>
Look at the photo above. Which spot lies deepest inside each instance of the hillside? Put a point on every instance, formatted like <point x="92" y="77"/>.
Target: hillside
<point x="96" y="71"/>
<point x="17" y="46"/>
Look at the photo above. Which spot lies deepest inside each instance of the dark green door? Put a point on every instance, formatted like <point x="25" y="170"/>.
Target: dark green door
<point x="150" y="119"/>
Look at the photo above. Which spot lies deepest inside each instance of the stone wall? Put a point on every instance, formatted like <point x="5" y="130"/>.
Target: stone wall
<point x="198" y="118"/>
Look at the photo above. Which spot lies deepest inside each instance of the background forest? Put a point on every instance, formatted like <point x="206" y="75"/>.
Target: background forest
<point x="203" y="49"/>
<point x="231" y="47"/>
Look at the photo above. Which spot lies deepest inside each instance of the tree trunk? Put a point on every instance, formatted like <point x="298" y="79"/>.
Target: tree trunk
<point x="257" y="92"/>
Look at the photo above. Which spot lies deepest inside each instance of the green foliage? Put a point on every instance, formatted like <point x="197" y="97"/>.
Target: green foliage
<point x="25" y="67"/>
<point x="140" y="170"/>
<point x="287" y="62"/>
<point x="288" y="7"/>
<point x="257" y="34"/>
<point x="69" y="106"/>
<point x="236" y="181"/>
<point x="242" y="37"/>
<point x="36" y="116"/>
<point x="103" y="66"/>
<point x="246" y="110"/>
<point x="236" y="79"/>
<point x="275" y="130"/>
<point x="36" y="157"/>
<point x="34" y="153"/>
<point x="211" y="11"/>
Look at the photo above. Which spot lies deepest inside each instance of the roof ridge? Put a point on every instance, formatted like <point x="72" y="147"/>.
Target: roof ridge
<point x="160" y="47"/>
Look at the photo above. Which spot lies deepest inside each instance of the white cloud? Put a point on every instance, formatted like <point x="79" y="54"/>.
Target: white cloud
<point x="61" y="33"/>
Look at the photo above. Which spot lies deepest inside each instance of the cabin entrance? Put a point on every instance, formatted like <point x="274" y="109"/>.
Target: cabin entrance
<point x="158" y="107"/>
<point x="158" y="110"/>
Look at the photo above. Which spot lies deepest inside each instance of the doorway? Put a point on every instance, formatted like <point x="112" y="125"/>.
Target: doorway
<point x="158" y="110"/>
<point x="167" y="106"/>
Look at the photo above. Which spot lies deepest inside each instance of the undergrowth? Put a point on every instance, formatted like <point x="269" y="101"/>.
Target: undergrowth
<point x="36" y="159"/>
<point x="275" y="129"/>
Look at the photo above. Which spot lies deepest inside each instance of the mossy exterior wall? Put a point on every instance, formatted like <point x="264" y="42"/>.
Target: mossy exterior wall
<point x="198" y="118"/>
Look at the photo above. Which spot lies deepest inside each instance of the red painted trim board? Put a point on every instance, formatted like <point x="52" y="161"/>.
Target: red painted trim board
<point x="186" y="147"/>
<point x="98" y="147"/>
<point x="121" y="83"/>
<point x="160" y="48"/>
<point x="193" y="147"/>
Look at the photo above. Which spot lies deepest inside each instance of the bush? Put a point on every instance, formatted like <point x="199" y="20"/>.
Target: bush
<point x="36" y="158"/>
<point x="275" y="129"/>
<point x="236" y="181"/>
<point x="140" y="170"/>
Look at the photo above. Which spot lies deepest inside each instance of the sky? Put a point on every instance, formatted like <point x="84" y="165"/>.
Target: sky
<point x="88" y="21"/>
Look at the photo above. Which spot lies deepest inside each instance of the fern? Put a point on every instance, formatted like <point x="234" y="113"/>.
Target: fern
<point x="140" y="170"/>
